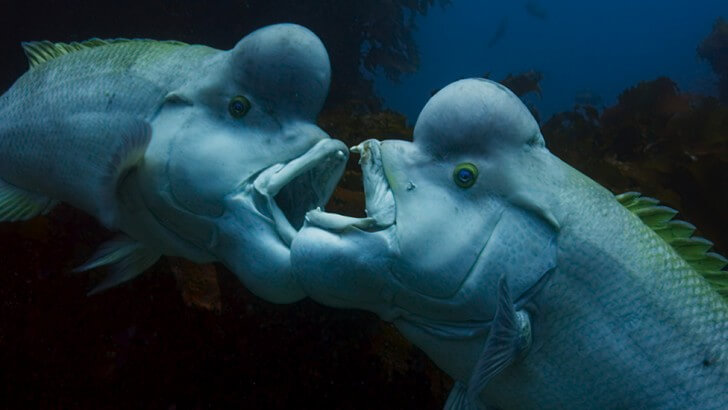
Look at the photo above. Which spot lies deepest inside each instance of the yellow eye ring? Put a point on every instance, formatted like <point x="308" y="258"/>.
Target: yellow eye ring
<point x="465" y="175"/>
<point x="239" y="106"/>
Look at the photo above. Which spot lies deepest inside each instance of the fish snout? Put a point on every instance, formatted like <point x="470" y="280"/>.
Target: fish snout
<point x="399" y="161"/>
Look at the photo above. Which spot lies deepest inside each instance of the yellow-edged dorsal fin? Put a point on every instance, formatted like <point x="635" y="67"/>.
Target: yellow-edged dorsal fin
<point x="694" y="249"/>
<point x="39" y="52"/>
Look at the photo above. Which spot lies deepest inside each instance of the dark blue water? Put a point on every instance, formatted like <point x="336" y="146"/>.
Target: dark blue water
<point x="587" y="48"/>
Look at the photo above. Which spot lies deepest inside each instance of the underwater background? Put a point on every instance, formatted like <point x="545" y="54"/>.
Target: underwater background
<point x="634" y="94"/>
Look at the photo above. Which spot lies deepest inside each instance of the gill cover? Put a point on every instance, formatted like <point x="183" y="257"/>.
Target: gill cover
<point x="252" y="107"/>
<point x="472" y="159"/>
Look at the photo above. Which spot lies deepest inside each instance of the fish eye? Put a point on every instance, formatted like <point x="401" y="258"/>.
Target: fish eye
<point x="465" y="175"/>
<point x="239" y="106"/>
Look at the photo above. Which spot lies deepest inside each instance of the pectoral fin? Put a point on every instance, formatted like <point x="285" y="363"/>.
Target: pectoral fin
<point x="509" y="338"/>
<point x="459" y="400"/>
<point x="17" y="204"/>
<point x="119" y="145"/>
<point x="88" y="159"/>
<point x="81" y="162"/>
<point x="127" y="257"/>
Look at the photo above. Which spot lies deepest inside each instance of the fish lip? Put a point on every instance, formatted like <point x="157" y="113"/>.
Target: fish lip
<point x="315" y="173"/>
<point x="379" y="198"/>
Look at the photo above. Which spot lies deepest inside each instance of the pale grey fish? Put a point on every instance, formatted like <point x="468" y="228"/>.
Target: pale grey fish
<point x="527" y="282"/>
<point x="186" y="150"/>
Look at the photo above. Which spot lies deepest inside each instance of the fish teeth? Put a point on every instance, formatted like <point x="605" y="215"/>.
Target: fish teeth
<point x="379" y="198"/>
<point x="329" y="155"/>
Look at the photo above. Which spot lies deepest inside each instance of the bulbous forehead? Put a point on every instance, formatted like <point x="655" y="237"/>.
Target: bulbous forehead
<point x="287" y="64"/>
<point x="474" y="117"/>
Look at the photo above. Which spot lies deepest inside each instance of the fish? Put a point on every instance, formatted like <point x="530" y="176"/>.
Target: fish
<point x="183" y="150"/>
<point x="536" y="9"/>
<point x="500" y="32"/>
<point x="527" y="282"/>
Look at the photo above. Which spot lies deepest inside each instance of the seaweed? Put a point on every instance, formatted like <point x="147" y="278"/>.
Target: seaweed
<point x="522" y="84"/>
<point x="658" y="141"/>
<point x="714" y="49"/>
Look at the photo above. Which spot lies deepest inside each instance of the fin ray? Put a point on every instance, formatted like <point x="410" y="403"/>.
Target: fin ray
<point x="127" y="257"/>
<point x="678" y="234"/>
<point x="458" y="399"/>
<point x="112" y="146"/>
<point x="39" y="52"/>
<point x="133" y="145"/>
<point x="509" y="337"/>
<point x="17" y="204"/>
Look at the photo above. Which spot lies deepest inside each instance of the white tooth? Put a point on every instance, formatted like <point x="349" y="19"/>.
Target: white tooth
<point x="355" y="149"/>
<point x="336" y="222"/>
<point x="379" y="198"/>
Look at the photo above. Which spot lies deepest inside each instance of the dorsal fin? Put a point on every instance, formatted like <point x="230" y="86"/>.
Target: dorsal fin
<point x="39" y="52"/>
<point x="694" y="249"/>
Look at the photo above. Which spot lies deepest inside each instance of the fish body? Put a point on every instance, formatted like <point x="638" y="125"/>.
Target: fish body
<point x="84" y="101"/>
<point x="527" y="282"/>
<point x="183" y="148"/>
<point x="623" y="321"/>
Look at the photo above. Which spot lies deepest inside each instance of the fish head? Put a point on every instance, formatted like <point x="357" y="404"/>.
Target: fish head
<point x="237" y="155"/>
<point x="433" y="204"/>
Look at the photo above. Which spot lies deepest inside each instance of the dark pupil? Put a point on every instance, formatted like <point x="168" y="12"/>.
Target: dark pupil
<point x="465" y="175"/>
<point x="238" y="106"/>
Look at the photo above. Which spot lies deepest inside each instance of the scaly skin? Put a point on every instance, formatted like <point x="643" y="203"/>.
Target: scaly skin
<point x="529" y="284"/>
<point x="624" y="322"/>
<point x="125" y="79"/>
<point x="147" y="137"/>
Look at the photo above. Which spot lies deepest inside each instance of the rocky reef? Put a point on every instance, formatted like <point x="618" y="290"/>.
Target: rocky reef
<point x="658" y="141"/>
<point x="714" y="49"/>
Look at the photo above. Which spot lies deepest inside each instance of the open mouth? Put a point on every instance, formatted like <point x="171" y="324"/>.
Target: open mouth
<point x="303" y="184"/>
<point x="380" y="205"/>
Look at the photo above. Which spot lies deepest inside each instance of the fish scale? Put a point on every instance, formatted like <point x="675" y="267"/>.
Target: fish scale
<point x="148" y="137"/>
<point x="534" y="287"/>
<point x="124" y="78"/>
<point x="621" y="298"/>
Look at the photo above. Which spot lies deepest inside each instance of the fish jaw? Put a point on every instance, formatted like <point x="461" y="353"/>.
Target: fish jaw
<point x="379" y="199"/>
<point x="261" y="219"/>
<point x="344" y="261"/>
<point x="347" y="269"/>
<point x="305" y="183"/>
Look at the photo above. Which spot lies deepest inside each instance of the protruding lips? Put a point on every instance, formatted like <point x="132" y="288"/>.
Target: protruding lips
<point x="290" y="190"/>
<point x="380" y="204"/>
